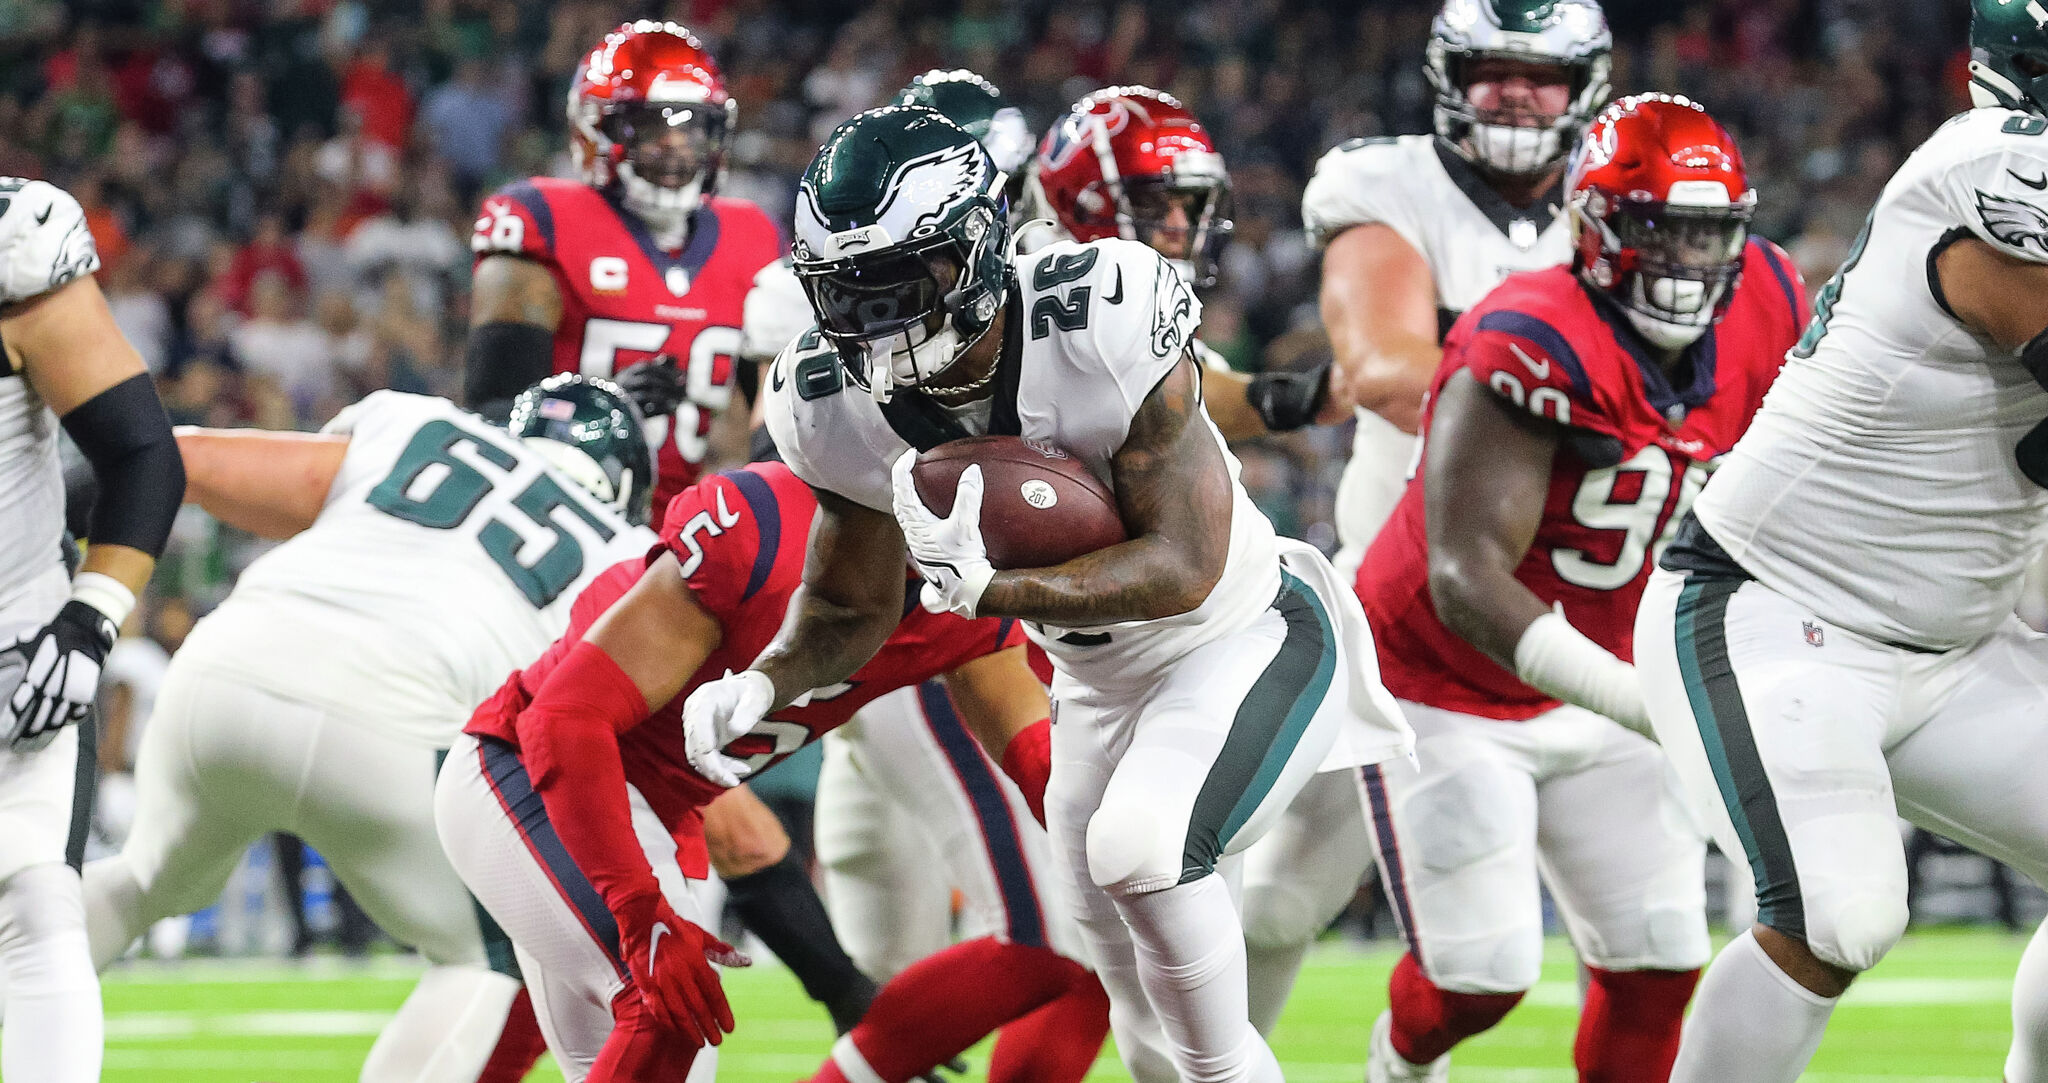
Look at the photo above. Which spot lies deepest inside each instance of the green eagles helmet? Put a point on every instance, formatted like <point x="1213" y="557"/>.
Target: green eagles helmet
<point x="1569" y="33"/>
<point x="975" y="104"/>
<point x="590" y="430"/>
<point x="2009" y="54"/>
<point x="902" y="244"/>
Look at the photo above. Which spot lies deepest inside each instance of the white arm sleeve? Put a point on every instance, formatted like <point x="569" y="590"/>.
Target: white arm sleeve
<point x="1556" y="658"/>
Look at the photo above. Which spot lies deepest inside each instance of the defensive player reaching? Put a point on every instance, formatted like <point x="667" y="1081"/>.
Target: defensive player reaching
<point x="1830" y="642"/>
<point x="1576" y="413"/>
<point x="572" y="796"/>
<point x="637" y="272"/>
<point x="1202" y="669"/>
<point x="65" y="361"/>
<point x="428" y="552"/>
<point x="1134" y="163"/>
<point x="1414" y="231"/>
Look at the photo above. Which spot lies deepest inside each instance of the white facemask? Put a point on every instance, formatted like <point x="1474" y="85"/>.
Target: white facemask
<point x="666" y="211"/>
<point x="894" y="362"/>
<point x="1513" y="150"/>
<point x="1689" y="303"/>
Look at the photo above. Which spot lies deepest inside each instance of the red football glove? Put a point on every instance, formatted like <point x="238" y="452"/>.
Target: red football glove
<point x="670" y="960"/>
<point x="1028" y="762"/>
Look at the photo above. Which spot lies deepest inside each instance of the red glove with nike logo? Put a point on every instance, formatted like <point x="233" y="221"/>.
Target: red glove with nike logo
<point x="670" y="960"/>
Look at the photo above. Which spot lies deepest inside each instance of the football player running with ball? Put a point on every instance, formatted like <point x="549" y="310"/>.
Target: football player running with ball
<point x="1203" y="669"/>
<point x="1830" y="642"/>
<point x="1575" y="415"/>
<point x="1414" y="231"/>
<point x="64" y="362"/>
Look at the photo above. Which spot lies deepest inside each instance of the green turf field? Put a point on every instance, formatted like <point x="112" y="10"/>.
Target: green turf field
<point x="1935" y="1011"/>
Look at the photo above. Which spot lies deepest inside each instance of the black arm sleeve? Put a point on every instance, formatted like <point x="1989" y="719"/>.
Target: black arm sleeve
<point x="502" y="359"/>
<point x="124" y="433"/>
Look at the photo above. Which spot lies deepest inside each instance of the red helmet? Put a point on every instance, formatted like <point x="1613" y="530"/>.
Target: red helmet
<point x="1122" y="161"/>
<point x="647" y="83"/>
<point x="1660" y="210"/>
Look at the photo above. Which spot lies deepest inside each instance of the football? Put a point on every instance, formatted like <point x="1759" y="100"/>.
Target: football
<point x="1039" y="507"/>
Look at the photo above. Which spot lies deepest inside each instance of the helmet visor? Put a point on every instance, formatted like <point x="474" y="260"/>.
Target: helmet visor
<point x="880" y="295"/>
<point x="1683" y="242"/>
<point x="668" y="144"/>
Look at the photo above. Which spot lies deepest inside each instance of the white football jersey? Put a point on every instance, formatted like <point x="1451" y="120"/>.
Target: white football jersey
<point x="1095" y="328"/>
<point x="447" y="555"/>
<point x="1877" y="485"/>
<point x="1469" y="236"/>
<point x="43" y="245"/>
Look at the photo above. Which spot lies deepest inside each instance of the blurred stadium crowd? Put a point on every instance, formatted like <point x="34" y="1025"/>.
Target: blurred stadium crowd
<point x="282" y="190"/>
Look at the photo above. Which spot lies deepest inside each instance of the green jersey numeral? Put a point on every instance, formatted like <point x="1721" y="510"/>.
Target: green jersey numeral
<point x="457" y="489"/>
<point x="1824" y="301"/>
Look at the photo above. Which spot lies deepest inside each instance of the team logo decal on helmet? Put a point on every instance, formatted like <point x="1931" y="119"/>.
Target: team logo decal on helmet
<point x="902" y="244"/>
<point x="1660" y="207"/>
<point x="1133" y="162"/>
<point x="1571" y="35"/>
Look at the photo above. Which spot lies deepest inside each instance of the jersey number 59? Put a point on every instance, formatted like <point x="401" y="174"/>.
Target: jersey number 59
<point x="706" y="393"/>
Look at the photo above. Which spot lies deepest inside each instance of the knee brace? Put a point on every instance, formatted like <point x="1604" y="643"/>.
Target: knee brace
<point x="1132" y="849"/>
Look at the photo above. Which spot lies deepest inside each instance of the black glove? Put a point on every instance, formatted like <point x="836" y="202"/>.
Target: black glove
<point x="57" y="670"/>
<point x="1286" y="401"/>
<point x="656" y="386"/>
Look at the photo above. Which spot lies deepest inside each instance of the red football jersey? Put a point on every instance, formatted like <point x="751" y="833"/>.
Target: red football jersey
<point x="1542" y="342"/>
<point x="740" y="537"/>
<point x="624" y="299"/>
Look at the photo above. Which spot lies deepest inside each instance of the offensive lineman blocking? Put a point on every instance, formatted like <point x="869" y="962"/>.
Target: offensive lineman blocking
<point x="64" y="359"/>
<point x="1830" y="642"/>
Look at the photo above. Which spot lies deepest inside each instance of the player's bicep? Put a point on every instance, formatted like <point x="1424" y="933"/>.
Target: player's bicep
<point x="514" y="289"/>
<point x="1378" y="303"/>
<point x="1998" y="295"/>
<point x="1487" y="465"/>
<point x="271" y="484"/>
<point x="68" y="345"/>
<point x="1170" y="477"/>
<point x="658" y="633"/>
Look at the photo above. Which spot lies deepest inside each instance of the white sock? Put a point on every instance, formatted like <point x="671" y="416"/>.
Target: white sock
<point x="54" y="1031"/>
<point x="113" y="908"/>
<point x="2027" y="1062"/>
<point x="1272" y="972"/>
<point x="446" y="1030"/>
<point x="1750" y="1022"/>
<point x="1190" y="955"/>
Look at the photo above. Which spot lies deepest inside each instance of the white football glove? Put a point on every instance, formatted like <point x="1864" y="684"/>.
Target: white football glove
<point x="949" y="552"/>
<point x="717" y="714"/>
<point x="57" y="670"/>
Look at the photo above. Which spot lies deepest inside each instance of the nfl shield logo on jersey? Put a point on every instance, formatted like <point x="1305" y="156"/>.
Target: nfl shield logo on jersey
<point x="1815" y="635"/>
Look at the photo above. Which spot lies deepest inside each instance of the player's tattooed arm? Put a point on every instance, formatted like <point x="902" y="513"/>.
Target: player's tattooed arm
<point x="1487" y="475"/>
<point x="514" y="309"/>
<point x="1173" y="488"/>
<point x="855" y="572"/>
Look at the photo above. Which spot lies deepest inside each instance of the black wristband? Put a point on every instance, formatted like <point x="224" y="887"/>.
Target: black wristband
<point x="501" y="359"/>
<point x="126" y="436"/>
<point x="1286" y="401"/>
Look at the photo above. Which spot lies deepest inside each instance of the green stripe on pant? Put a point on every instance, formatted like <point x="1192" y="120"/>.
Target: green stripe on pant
<point x="1716" y="698"/>
<point x="1269" y="724"/>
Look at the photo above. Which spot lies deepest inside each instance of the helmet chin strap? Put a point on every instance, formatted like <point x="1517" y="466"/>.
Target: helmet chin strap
<point x="1678" y="296"/>
<point x="1512" y="149"/>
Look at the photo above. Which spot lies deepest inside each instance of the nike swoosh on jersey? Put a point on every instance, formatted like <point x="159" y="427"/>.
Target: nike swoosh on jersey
<point x="44" y="218"/>
<point x="2036" y="185"/>
<point x="654" y="944"/>
<point x="1116" y="293"/>
<point x="1541" y="372"/>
